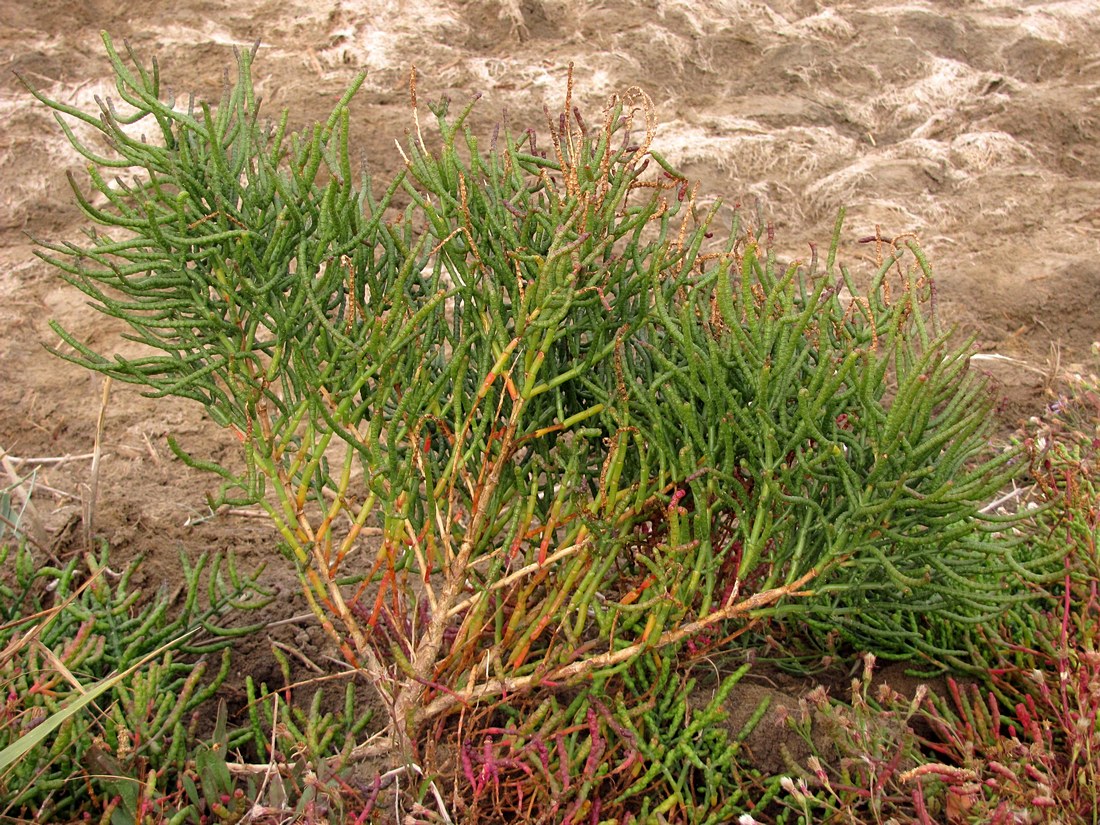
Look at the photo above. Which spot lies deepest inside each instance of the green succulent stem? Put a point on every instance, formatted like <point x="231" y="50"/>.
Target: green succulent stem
<point x="585" y="423"/>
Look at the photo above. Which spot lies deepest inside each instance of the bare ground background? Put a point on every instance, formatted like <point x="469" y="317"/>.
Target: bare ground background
<point x="974" y="125"/>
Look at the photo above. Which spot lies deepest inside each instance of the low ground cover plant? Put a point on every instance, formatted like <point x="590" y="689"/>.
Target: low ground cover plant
<point x="64" y="633"/>
<point x="1019" y="742"/>
<point x="600" y="434"/>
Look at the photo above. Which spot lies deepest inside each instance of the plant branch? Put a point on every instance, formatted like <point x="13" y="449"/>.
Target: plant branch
<point x="577" y="670"/>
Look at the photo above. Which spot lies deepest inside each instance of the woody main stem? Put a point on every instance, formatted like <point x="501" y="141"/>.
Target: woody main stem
<point x="407" y="711"/>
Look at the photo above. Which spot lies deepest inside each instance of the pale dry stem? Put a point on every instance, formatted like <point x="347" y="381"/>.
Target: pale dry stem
<point x="533" y="567"/>
<point x="97" y="454"/>
<point x="31" y="524"/>
<point x="577" y="670"/>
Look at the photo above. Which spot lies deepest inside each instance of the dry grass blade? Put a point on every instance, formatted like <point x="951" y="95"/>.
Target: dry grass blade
<point x="97" y="454"/>
<point x="31" y="636"/>
<point x="29" y="524"/>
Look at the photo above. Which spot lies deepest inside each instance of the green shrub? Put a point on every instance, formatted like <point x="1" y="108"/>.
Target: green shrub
<point x="588" y="422"/>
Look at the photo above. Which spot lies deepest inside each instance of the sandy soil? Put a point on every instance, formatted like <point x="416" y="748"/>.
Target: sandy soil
<point x="973" y="124"/>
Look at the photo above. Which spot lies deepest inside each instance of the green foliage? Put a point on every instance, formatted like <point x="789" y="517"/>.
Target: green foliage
<point x="64" y="629"/>
<point x="324" y="736"/>
<point x="215" y="794"/>
<point x="1021" y="743"/>
<point x="839" y="433"/>
<point x="1027" y="743"/>
<point x="588" y="422"/>
<point x="637" y="749"/>
<point x="1064" y="448"/>
<point x="690" y="765"/>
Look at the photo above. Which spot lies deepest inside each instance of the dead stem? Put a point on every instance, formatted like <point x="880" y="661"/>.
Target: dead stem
<point x="30" y="525"/>
<point x="97" y="455"/>
<point x="42" y="461"/>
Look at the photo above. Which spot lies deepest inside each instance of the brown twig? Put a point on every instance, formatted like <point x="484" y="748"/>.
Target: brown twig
<point x="297" y="654"/>
<point x="97" y="455"/>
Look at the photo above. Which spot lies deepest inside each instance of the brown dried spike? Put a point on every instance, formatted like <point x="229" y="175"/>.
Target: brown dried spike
<point x="688" y="196"/>
<point x="520" y="283"/>
<point x="717" y="322"/>
<point x="465" y="204"/>
<point x="896" y="244"/>
<point x="555" y="139"/>
<point x="850" y="313"/>
<point x="580" y="121"/>
<point x="566" y="121"/>
<point x="635" y="98"/>
<point x="356" y="311"/>
<point x="620" y="378"/>
<point x="608" y="128"/>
